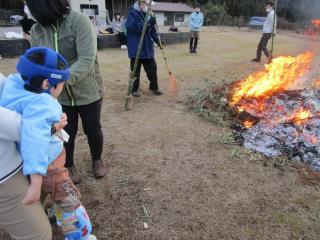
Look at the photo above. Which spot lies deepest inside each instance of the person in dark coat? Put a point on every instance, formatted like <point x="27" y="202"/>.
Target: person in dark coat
<point x="134" y="26"/>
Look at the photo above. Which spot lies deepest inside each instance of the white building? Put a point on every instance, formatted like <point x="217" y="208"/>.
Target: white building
<point x="102" y="8"/>
<point x="89" y="7"/>
<point x="167" y="14"/>
<point x="95" y="8"/>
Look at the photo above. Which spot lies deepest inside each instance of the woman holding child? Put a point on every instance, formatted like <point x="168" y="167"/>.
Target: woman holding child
<point x="72" y="35"/>
<point x="21" y="221"/>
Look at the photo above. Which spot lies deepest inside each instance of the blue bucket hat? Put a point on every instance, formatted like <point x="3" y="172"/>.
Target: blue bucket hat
<point x="49" y="69"/>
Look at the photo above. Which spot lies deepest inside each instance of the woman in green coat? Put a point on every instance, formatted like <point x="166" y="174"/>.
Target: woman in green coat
<point x="71" y="34"/>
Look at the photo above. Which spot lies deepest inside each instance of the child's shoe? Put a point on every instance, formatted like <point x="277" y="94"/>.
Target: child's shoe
<point x="92" y="237"/>
<point x="76" y="225"/>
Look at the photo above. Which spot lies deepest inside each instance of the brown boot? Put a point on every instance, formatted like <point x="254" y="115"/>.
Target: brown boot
<point x="74" y="175"/>
<point x="99" y="169"/>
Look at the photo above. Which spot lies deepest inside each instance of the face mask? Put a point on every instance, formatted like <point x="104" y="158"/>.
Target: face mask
<point x="145" y="9"/>
<point x="27" y="11"/>
<point x="268" y="10"/>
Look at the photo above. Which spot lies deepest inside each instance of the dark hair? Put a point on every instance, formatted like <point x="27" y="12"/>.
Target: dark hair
<point x="48" y="12"/>
<point x="270" y="3"/>
<point x="37" y="81"/>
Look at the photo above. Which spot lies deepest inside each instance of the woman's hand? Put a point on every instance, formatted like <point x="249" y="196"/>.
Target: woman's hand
<point x="63" y="122"/>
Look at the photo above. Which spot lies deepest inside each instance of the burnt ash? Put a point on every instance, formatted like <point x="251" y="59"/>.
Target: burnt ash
<point x="275" y="132"/>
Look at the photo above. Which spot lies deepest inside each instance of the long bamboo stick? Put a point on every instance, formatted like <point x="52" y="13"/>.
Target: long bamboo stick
<point x="274" y="26"/>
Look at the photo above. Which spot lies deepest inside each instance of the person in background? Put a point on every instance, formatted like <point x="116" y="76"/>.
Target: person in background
<point x="134" y="26"/>
<point x="26" y="25"/>
<point x="93" y="20"/>
<point x="195" y="24"/>
<point x="94" y="23"/>
<point x="118" y="26"/>
<point x="269" y="27"/>
<point x="73" y="35"/>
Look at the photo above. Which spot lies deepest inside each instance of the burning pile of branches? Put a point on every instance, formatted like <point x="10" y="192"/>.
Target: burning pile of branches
<point x="275" y="118"/>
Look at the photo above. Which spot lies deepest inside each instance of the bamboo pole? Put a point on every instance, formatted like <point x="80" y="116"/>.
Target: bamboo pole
<point x="172" y="79"/>
<point x="274" y="26"/>
<point x="133" y="72"/>
<point x="162" y="50"/>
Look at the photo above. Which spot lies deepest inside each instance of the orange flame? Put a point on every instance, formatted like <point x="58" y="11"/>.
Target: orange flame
<point x="248" y="124"/>
<point x="315" y="22"/>
<point x="314" y="28"/>
<point x="298" y="117"/>
<point x="314" y="140"/>
<point x="277" y="76"/>
<point x="302" y="115"/>
<point x="316" y="83"/>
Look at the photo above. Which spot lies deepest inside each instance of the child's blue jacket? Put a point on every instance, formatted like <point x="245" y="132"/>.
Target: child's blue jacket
<point x="39" y="111"/>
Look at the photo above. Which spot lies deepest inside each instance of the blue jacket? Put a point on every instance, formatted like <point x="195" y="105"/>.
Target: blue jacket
<point x="134" y="26"/>
<point x="39" y="111"/>
<point x="196" y="21"/>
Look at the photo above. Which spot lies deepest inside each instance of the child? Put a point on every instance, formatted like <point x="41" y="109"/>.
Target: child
<point x="33" y="93"/>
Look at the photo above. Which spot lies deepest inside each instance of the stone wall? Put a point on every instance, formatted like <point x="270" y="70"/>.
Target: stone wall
<point x="111" y="41"/>
<point x="15" y="47"/>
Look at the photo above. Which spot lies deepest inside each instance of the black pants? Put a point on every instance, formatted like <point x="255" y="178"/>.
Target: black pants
<point x="193" y="43"/>
<point x="90" y="116"/>
<point x="122" y="38"/>
<point x="263" y="45"/>
<point x="150" y="67"/>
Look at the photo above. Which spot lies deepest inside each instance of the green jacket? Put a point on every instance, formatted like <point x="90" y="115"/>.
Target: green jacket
<point x="77" y="42"/>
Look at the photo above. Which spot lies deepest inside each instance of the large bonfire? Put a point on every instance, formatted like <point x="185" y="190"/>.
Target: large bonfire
<point x="274" y="117"/>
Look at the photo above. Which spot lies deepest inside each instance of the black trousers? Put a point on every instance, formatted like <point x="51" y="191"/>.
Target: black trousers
<point x="90" y="116"/>
<point x="263" y="45"/>
<point x="193" y="43"/>
<point x="150" y="67"/>
<point x="122" y="38"/>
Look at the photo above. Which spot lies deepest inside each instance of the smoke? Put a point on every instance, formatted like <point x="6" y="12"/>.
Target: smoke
<point x="299" y="10"/>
